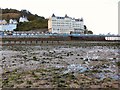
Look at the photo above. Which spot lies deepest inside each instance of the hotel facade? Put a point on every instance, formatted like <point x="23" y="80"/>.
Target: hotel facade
<point x="65" y="25"/>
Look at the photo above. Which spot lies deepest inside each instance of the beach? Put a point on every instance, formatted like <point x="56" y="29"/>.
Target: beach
<point x="60" y="66"/>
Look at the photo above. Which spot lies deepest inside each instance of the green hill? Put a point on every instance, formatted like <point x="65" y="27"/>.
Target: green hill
<point x="35" y="21"/>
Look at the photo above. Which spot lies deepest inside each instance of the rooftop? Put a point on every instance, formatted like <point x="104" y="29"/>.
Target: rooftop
<point x="66" y="16"/>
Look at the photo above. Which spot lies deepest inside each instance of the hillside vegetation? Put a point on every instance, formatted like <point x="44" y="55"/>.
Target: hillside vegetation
<point x="35" y="21"/>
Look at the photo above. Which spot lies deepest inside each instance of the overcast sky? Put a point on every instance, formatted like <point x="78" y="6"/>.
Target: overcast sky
<point x="100" y="16"/>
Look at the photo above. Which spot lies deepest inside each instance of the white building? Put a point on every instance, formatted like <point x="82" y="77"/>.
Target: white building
<point x="4" y="26"/>
<point x="11" y="21"/>
<point x="23" y="19"/>
<point x="65" y="25"/>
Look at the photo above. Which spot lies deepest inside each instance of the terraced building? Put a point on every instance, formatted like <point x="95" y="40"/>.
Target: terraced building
<point x="65" y="25"/>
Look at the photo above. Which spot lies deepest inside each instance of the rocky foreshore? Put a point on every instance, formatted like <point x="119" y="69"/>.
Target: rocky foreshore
<point x="60" y="66"/>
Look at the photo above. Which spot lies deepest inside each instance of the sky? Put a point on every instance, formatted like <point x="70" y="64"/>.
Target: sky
<point x="100" y="16"/>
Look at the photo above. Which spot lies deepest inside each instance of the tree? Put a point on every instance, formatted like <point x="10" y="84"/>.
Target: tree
<point x="90" y="32"/>
<point x="85" y="27"/>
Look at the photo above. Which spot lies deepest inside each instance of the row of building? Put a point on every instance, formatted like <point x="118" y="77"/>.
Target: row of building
<point x="12" y="24"/>
<point x="56" y="24"/>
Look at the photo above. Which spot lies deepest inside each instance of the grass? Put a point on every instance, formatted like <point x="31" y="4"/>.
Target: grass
<point x="11" y="15"/>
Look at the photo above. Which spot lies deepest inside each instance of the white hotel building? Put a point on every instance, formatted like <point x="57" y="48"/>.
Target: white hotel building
<point x="65" y="25"/>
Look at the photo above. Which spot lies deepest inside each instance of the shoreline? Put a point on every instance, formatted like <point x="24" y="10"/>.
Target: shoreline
<point x="71" y="65"/>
